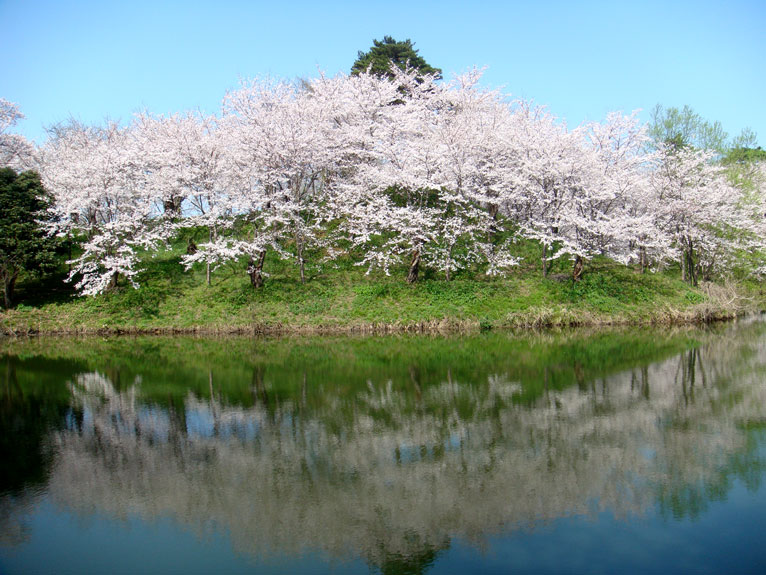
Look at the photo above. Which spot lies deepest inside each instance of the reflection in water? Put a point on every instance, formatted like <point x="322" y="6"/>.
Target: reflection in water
<point x="392" y="467"/>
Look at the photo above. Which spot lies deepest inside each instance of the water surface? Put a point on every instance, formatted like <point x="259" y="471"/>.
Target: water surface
<point x="619" y="451"/>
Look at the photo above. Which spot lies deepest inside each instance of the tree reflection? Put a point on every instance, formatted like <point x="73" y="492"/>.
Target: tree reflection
<point x="396" y="466"/>
<point x="26" y="419"/>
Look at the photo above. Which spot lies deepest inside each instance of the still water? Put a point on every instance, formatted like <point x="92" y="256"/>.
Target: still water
<point x="618" y="451"/>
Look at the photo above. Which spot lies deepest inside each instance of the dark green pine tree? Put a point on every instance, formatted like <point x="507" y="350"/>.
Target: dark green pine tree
<point x="24" y="244"/>
<point x="378" y="59"/>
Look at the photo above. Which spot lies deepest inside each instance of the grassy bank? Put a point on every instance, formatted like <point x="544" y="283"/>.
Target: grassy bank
<point x="344" y="299"/>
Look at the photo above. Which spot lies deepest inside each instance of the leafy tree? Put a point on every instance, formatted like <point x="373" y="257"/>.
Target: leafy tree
<point x="24" y="244"/>
<point x="686" y="128"/>
<point x="747" y="139"/>
<point x="744" y="155"/>
<point x="382" y="53"/>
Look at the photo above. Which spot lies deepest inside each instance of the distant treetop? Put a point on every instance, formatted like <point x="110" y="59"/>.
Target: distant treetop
<point x="378" y="59"/>
<point x="684" y="128"/>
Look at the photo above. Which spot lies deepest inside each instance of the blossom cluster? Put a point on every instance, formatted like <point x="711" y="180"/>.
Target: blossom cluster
<point x="446" y="175"/>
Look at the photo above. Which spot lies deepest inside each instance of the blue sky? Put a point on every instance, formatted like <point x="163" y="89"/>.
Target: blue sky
<point x="92" y="60"/>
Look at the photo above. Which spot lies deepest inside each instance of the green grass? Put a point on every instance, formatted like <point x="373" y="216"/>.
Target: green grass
<point x="342" y="297"/>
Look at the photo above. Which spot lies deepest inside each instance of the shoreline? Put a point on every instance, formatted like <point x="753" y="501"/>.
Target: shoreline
<point x="536" y="319"/>
<point x="346" y="302"/>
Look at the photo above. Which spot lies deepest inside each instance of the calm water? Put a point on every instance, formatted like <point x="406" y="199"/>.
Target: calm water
<point x="623" y="451"/>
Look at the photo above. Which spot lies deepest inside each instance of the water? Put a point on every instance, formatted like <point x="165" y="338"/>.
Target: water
<point x="619" y="451"/>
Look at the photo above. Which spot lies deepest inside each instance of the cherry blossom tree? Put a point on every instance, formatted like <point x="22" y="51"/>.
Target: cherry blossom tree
<point x="697" y="207"/>
<point x="618" y="216"/>
<point x="189" y="173"/>
<point x="553" y="170"/>
<point x="756" y="207"/>
<point x="278" y="134"/>
<point x="400" y="168"/>
<point x="96" y="179"/>
<point x="16" y="151"/>
<point x="583" y="192"/>
<point x="474" y="135"/>
<point x="416" y="196"/>
<point x="393" y="209"/>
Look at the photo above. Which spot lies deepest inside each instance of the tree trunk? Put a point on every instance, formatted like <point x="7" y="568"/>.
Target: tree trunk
<point x="301" y="263"/>
<point x="172" y="206"/>
<point x="113" y="281"/>
<point x="255" y="269"/>
<point x="412" y="275"/>
<point x="642" y="259"/>
<point x="493" y="211"/>
<point x="691" y="272"/>
<point x="577" y="270"/>
<point x="70" y="244"/>
<point x="211" y="232"/>
<point x="9" y="286"/>
<point x="546" y="267"/>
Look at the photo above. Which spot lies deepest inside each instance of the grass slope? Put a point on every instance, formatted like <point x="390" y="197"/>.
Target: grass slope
<point x="344" y="298"/>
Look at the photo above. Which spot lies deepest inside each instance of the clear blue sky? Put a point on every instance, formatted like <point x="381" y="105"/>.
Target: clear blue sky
<point x="96" y="59"/>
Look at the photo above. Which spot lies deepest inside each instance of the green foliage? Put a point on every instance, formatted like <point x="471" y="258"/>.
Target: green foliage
<point x="24" y="245"/>
<point x="694" y="297"/>
<point x="747" y="139"/>
<point x="743" y="155"/>
<point x="684" y="127"/>
<point x="342" y="296"/>
<point x="382" y="53"/>
<point x="608" y="290"/>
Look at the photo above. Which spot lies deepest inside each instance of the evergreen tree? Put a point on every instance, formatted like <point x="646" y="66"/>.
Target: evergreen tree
<point x="24" y="244"/>
<point x="380" y="56"/>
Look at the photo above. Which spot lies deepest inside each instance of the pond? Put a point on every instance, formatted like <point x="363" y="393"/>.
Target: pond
<point x="637" y="450"/>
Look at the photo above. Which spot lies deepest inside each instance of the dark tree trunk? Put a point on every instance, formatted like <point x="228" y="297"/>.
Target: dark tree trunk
<point x="688" y="260"/>
<point x="554" y="231"/>
<point x="255" y="269"/>
<point x="9" y="287"/>
<point x="493" y="211"/>
<point x="70" y="244"/>
<point x="412" y="275"/>
<point x="172" y="206"/>
<point x="692" y="269"/>
<point x="642" y="259"/>
<point x="211" y="234"/>
<point x="301" y="263"/>
<point x="113" y="281"/>
<point x="191" y="248"/>
<point x="577" y="269"/>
